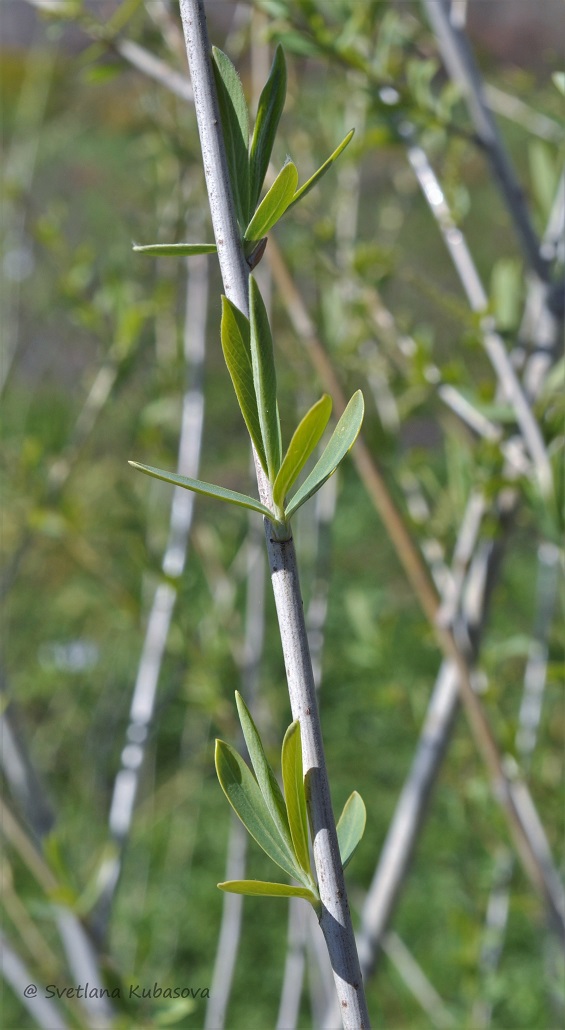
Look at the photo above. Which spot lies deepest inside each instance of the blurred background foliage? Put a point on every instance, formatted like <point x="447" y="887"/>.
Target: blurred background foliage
<point x="96" y="156"/>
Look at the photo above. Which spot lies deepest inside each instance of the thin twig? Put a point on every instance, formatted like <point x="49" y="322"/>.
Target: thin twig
<point x="528" y="724"/>
<point x="232" y="907"/>
<point x="478" y="301"/>
<point x="43" y="1010"/>
<point x="515" y="110"/>
<point x="160" y="616"/>
<point x="460" y="63"/>
<point x="417" y="981"/>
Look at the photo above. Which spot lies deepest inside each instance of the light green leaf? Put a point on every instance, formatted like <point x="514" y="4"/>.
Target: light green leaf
<point x="265" y="379"/>
<point x="351" y="826"/>
<point x="274" y="203"/>
<point x="235" y="125"/>
<point x="271" y="104"/>
<point x="207" y="489"/>
<point x="243" y="794"/>
<point x="342" y="440"/>
<point x="293" y="782"/>
<point x="558" y="79"/>
<point x="305" y="439"/>
<point x="236" y="345"/>
<point x="315" y="178"/>
<point x="265" y="776"/>
<point x="544" y="172"/>
<point x="270" y="890"/>
<point x="176" y="249"/>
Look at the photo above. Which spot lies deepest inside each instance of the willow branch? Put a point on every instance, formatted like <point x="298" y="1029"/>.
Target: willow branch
<point x="335" y="919"/>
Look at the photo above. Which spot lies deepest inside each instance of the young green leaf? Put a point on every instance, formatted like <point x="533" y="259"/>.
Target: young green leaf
<point x="175" y="249"/>
<point x="269" y="890"/>
<point x="274" y="203"/>
<point x="305" y="439"/>
<point x="236" y="345"/>
<point x="342" y="440"/>
<point x="293" y="782"/>
<point x="235" y="125"/>
<point x="315" y="178"/>
<point x="271" y="104"/>
<point x="208" y="489"/>
<point x="265" y="379"/>
<point x="243" y="794"/>
<point x="351" y="826"/>
<point x="264" y="774"/>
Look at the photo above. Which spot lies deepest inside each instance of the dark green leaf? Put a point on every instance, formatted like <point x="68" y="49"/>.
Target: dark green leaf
<point x="351" y="826"/>
<point x="265" y="776"/>
<point x="265" y="379"/>
<point x="307" y="436"/>
<point x="235" y="125"/>
<point x="176" y="249"/>
<point x="293" y="782"/>
<point x="269" y="890"/>
<point x="342" y="440"/>
<point x="236" y="345"/>
<point x="208" y="489"/>
<point x="315" y="178"/>
<point x="243" y="794"/>
<point x="274" y="203"/>
<point x="271" y="104"/>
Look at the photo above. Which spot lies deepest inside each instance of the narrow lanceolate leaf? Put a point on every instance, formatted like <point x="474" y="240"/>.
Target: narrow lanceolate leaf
<point x="235" y="125"/>
<point x="271" y="104"/>
<point x="176" y="249"/>
<point x="293" y="783"/>
<point x="274" y="203"/>
<point x="305" y="439"/>
<point x="208" y="489"/>
<point x="265" y="379"/>
<point x="265" y="776"/>
<point x="351" y="826"/>
<point x="342" y="440"/>
<point x="236" y="345"/>
<point x="315" y="178"/>
<point x="270" y="890"/>
<point x="243" y="794"/>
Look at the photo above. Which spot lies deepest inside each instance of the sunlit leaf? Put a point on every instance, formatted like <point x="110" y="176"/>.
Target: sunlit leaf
<point x="305" y="439"/>
<point x="274" y="203"/>
<point x="243" y="794"/>
<point x="175" y="249"/>
<point x="315" y="178"/>
<point x="265" y="379"/>
<point x="293" y="783"/>
<point x="271" y="104"/>
<point x="207" y="489"/>
<point x="265" y="776"/>
<point x="558" y="79"/>
<point x="351" y="826"/>
<point x="236" y="345"/>
<point x="270" y="890"/>
<point x="235" y="125"/>
<point x="342" y="440"/>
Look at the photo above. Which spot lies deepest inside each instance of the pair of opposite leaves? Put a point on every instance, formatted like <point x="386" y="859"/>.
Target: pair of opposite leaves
<point x="248" y="162"/>
<point x="279" y="822"/>
<point x="248" y="350"/>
